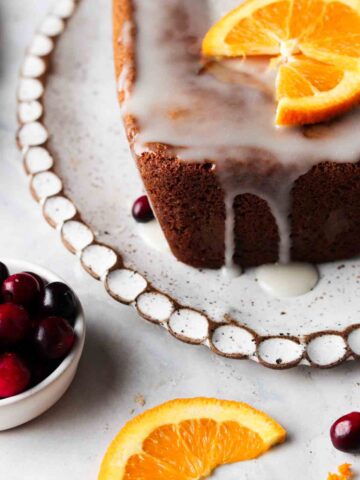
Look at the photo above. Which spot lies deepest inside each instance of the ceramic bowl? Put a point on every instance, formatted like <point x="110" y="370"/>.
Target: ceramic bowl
<point x="30" y="404"/>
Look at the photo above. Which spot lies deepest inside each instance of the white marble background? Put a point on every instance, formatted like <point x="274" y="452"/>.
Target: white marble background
<point x="125" y="357"/>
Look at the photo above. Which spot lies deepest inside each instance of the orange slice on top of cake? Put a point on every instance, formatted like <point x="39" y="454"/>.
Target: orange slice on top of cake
<point x="313" y="44"/>
<point x="187" y="439"/>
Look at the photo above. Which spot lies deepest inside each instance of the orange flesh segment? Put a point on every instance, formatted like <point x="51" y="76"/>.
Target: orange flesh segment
<point x="290" y="83"/>
<point x="194" y="448"/>
<point x="166" y="444"/>
<point x="236" y="443"/>
<point x="303" y="17"/>
<point x="274" y="18"/>
<point x="249" y="38"/>
<point x="150" y="447"/>
<point x="315" y="44"/>
<point x="306" y="77"/>
<point x="198" y="437"/>
<point x="145" y="467"/>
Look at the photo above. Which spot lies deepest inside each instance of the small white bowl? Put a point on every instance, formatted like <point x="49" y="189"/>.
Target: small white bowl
<point x="30" y="404"/>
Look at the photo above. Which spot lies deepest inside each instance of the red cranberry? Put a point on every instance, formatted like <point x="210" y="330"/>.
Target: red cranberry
<point x="40" y="282"/>
<point x="4" y="272"/>
<point x="14" y="375"/>
<point x="345" y="433"/>
<point x="141" y="210"/>
<point x="22" y="289"/>
<point x="15" y="324"/>
<point x="60" y="301"/>
<point x="54" y="338"/>
<point x="40" y="370"/>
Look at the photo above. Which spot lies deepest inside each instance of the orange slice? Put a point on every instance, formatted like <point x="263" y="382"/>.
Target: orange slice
<point x="314" y="44"/>
<point x="187" y="439"/>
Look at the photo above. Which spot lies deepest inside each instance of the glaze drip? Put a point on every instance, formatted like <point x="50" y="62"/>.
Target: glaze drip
<point x="207" y="117"/>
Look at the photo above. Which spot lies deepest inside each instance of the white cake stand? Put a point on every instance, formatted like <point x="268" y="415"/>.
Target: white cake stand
<point x="83" y="176"/>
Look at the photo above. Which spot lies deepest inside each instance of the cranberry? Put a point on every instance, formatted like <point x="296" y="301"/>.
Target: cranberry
<point x="60" y="301"/>
<point x="40" y="282"/>
<point x="54" y="337"/>
<point x="15" y="324"/>
<point x="14" y="375"/>
<point x="22" y="289"/>
<point x="345" y="433"/>
<point x="141" y="210"/>
<point x="4" y="272"/>
<point x="40" y="370"/>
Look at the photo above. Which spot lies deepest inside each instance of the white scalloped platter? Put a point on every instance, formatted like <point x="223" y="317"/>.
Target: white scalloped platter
<point x="73" y="147"/>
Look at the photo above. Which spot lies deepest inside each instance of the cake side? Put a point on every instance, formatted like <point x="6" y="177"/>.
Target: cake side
<point x="186" y="197"/>
<point x="326" y="213"/>
<point x="189" y="202"/>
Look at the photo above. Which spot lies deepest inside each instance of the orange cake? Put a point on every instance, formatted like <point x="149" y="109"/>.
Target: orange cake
<point x="238" y="172"/>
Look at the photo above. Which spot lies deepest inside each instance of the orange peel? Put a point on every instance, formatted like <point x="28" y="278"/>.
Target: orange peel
<point x="187" y="439"/>
<point x="314" y="44"/>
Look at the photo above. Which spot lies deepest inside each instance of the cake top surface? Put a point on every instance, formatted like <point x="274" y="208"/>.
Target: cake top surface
<point x="207" y="114"/>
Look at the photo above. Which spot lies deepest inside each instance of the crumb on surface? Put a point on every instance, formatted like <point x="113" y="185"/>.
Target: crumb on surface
<point x="345" y="473"/>
<point x="140" y="400"/>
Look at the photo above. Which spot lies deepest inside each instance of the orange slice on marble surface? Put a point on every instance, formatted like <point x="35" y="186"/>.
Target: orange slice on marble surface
<point x="313" y="44"/>
<point x="187" y="439"/>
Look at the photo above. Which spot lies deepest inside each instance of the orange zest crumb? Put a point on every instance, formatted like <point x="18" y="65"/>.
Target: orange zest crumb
<point x="345" y="473"/>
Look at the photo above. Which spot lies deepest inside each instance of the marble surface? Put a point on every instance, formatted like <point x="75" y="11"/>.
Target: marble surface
<point x="124" y="357"/>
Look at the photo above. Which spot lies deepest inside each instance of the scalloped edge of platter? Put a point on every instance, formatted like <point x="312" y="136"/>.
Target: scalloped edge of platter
<point x="323" y="349"/>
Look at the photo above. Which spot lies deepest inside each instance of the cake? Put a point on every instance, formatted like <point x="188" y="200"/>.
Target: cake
<point x="226" y="185"/>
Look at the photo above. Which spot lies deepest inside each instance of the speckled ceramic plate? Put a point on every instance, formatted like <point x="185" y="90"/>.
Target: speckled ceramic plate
<point x="82" y="174"/>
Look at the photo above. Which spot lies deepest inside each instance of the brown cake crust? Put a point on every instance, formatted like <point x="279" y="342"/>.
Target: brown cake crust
<point x="189" y="202"/>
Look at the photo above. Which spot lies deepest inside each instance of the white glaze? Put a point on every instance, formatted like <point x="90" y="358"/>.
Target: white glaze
<point x="123" y="80"/>
<point x="125" y="38"/>
<point x="30" y="111"/>
<point x="230" y="269"/>
<point x="287" y="280"/>
<point x="153" y="236"/>
<point x="52" y="26"/>
<point x="167" y="75"/>
<point x="33" y="67"/>
<point x="219" y="120"/>
<point x="252" y="71"/>
<point x="278" y="280"/>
